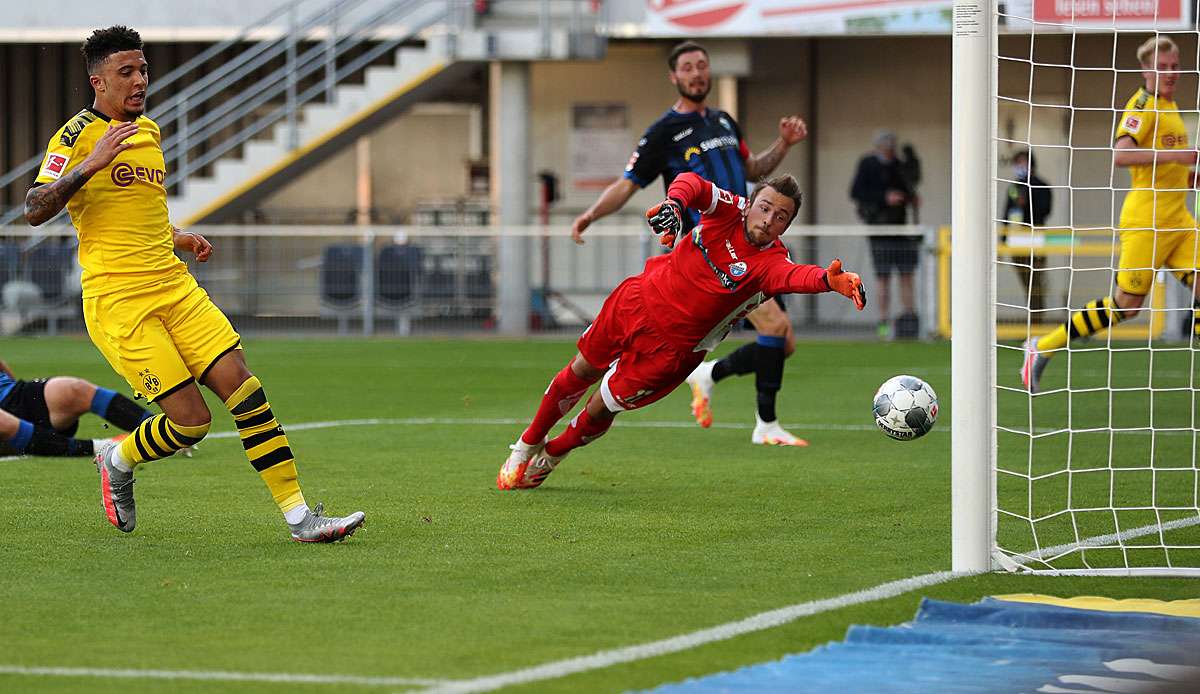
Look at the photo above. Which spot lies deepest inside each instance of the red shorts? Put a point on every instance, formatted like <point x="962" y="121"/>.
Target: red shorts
<point x="642" y="366"/>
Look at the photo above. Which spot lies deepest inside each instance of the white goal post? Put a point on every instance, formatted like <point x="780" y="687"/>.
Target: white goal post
<point x="1097" y="472"/>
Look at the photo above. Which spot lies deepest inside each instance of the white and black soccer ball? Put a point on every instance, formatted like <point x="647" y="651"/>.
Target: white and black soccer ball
<point x="906" y="407"/>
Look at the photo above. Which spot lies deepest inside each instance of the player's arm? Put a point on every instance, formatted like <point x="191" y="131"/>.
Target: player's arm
<point x="43" y="202"/>
<point x="785" y="277"/>
<point x="1128" y="153"/>
<point x="6" y="370"/>
<point x="612" y="199"/>
<point x="645" y="164"/>
<point x="191" y="242"/>
<point x="792" y="129"/>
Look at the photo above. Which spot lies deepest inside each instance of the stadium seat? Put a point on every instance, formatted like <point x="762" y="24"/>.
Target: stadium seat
<point x="398" y="283"/>
<point x="48" y="266"/>
<point x="341" y="281"/>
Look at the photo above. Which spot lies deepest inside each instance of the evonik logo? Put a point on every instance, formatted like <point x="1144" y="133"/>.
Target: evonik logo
<point x="123" y="175"/>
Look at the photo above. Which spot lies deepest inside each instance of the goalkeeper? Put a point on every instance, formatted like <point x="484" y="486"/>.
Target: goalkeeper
<point x="657" y="326"/>
<point x="1156" y="227"/>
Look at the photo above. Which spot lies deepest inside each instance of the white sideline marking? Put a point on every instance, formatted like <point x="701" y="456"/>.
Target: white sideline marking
<point x="216" y="676"/>
<point x="758" y="622"/>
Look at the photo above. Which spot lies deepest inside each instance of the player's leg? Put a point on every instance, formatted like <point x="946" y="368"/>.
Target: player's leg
<point x="24" y="437"/>
<point x="1140" y="251"/>
<point x="883" y="262"/>
<point x="764" y="357"/>
<point x="599" y="345"/>
<point x="68" y="398"/>
<point x="1184" y="263"/>
<point x="139" y="349"/>
<point x="646" y="372"/>
<point x="776" y="341"/>
<point x="269" y="451"/>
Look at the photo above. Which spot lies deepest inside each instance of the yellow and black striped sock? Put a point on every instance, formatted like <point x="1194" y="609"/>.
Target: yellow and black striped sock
<point x="159" y="437"/>
<point x="265" y="443"/>
<point x="1096" y="316"/>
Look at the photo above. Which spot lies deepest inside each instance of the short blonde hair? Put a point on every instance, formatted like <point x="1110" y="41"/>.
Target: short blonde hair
<point x="1147" y="52"/>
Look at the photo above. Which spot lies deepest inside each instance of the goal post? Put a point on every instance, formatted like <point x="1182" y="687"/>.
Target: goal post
<point x="972" y="310"/>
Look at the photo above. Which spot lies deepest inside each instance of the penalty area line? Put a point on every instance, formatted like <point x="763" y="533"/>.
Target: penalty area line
<point x="758" y="622"/>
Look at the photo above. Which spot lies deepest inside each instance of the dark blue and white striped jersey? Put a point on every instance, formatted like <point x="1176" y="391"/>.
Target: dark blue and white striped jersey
<point x="708" y="144"/>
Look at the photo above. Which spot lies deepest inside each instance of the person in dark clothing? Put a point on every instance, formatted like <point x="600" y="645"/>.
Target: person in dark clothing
<point x="1027" y="204"/>
<point x="882" y="194"/>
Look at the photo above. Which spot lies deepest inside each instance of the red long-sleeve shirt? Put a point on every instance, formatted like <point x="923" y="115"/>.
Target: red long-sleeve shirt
<point x="715" y="276"/>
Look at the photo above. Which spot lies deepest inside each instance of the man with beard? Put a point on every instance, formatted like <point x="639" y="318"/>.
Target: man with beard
<point x="656" y="327"/>
<point x="692" y="136"/>
<point x="144" y="311"/>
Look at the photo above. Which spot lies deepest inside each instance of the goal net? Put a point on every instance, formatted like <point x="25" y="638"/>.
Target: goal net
<point x="1097" y="471"/>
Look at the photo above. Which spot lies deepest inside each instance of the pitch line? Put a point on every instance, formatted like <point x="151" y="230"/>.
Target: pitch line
<point x="758" y="622"/>
<point x="217" y="676"/>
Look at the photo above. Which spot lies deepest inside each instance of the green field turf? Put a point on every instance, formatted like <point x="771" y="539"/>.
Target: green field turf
<point x="656" y="530"/>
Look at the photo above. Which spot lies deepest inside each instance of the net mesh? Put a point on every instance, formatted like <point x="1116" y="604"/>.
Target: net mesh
<point x="1097" y="471"/>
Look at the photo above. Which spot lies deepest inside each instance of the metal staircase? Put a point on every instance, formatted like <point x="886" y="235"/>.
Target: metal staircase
<point x="327" y="72"/>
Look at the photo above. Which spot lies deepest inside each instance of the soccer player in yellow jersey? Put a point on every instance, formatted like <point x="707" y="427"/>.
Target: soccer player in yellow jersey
<point x="144" y="311"/>
<point x="1156" y="227"/>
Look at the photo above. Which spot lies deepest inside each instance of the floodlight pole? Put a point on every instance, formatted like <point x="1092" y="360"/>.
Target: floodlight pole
<point x="973" y="407"/>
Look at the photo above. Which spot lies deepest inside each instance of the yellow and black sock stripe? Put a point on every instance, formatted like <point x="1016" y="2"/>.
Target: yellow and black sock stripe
<point x="1095" y="316"/>
<point x="265" y="442"/>
<point x="159" y="437"/>
<point x="1188" y="277"/>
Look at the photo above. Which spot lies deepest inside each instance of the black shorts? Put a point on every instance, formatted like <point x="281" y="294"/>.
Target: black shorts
<point x="747" y="325"/>
<point x="27" y="400"/>
<point x="895" y="253"/>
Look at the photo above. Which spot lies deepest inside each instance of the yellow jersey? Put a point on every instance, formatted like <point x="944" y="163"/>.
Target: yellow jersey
<point x="1159" y="195"/>
<point x="120" y="214"/>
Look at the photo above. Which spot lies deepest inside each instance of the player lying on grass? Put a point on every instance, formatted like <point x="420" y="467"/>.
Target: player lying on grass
<point x="40" y="417"/>
<point x="657" y="326"/>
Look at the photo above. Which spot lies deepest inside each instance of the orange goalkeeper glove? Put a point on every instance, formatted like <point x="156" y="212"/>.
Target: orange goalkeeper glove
<point x="848" y="284"/>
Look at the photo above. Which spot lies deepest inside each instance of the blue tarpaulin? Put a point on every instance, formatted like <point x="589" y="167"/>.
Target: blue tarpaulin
<point x="991" y="646"/>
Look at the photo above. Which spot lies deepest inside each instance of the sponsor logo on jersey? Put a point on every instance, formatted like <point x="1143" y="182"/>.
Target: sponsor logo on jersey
<point x="738" y="269"/>
<point x="1133" y="123"/>
<point x="682" y="134"/>
<point x="55" y="165"/>
<point x="1170" y="140"/>
<point x="719" y="142"/>
<point x="123" y="175"/>
<point x="632" y="161"/>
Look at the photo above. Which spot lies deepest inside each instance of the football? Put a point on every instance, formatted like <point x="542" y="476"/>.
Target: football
<point x="905" y="407"/>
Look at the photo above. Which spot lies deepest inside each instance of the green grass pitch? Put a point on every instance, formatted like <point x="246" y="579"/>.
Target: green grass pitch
<point x="656" y="530"/>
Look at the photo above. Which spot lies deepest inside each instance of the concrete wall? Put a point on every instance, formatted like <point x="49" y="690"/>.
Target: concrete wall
<point x="417" y="156"/>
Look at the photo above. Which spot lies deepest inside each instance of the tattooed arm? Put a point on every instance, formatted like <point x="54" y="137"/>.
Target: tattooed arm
<point x="45" y="201"/>
<point x="791" y="130"/>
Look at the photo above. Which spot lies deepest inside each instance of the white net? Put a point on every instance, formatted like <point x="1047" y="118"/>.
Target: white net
<point x="1097" y="471"/>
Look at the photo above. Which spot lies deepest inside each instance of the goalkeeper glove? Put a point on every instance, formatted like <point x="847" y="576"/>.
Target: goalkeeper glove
<point x="666" y="218"/>
<point x="848" y="284"/>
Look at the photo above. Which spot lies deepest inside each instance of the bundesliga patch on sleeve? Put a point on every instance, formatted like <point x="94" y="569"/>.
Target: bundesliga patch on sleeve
<point x="1133" y="123"/>
<point x="55" y="165"/>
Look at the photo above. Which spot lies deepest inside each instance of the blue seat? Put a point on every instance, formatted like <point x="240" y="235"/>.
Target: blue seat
<point x="398" y="274"/>
<point x="48" y="265"/>
<point x="341" y="275"/>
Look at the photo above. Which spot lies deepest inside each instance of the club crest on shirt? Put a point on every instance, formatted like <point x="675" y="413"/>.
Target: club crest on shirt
<point x="737" y="269"/>
<point x="150" y="382"/>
